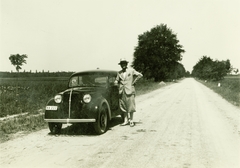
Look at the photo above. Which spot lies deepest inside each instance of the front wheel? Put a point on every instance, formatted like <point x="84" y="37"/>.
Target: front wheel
<point x="101" y="124"/>
<point x="55" y="128"/>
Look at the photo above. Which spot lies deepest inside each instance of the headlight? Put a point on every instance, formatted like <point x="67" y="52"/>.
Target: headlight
<point x="58" y="98"/>
<point x="87" y="98"/>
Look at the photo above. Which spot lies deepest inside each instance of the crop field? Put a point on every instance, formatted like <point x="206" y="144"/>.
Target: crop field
<point x="28" y="94"/>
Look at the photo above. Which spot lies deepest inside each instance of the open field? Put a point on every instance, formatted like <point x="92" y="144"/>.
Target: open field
<point x="25" y="97"/>
<point x="27" y="94"/>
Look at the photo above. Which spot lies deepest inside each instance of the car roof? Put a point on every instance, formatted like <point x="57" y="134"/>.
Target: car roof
<point x="98" y="71"/>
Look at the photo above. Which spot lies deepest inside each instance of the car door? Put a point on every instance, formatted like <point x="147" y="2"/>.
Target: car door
<point x="114" y="95"/>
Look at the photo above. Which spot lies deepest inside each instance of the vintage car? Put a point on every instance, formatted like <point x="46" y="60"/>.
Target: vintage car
<point x="91" y="97"/>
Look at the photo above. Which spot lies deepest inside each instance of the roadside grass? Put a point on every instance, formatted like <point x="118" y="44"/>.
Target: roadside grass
<point x="22" y="123"/>
<point x="144" y="86"/>
<point x="30" y="101"/>
<point x="229" y="88"/>
<point x="25" y="98"/>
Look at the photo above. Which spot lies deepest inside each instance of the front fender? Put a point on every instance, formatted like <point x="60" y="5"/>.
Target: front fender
<point x="105" y="102"/>
<point x="92" y="109"/>
<point x="52" y="113"/>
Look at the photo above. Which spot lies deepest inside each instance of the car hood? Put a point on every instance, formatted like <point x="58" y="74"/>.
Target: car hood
<point x="84" y="89"/>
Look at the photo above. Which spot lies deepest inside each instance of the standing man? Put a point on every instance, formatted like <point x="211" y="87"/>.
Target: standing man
<point x="126" y="79"/>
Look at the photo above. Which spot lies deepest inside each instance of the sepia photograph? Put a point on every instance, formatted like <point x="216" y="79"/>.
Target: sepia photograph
<point x="119" y="84"/>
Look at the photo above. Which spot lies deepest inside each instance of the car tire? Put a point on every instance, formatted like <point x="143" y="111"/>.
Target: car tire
<point x="55" y="128"/>
<point x="100" y="126"/>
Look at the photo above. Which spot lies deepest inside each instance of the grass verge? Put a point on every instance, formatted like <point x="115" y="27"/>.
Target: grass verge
<point x="22" y="123"/>
<point x="228" y="88"/>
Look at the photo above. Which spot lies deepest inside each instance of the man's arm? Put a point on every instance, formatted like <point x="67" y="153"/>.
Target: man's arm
<point x="116" y="80"/>
<point x="138" y="76"/>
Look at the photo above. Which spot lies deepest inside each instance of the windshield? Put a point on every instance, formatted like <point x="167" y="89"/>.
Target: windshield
<point x="88" y="80"/>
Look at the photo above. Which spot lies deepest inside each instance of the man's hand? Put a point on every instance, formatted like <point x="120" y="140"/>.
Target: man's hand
<point x="115" y="83"/>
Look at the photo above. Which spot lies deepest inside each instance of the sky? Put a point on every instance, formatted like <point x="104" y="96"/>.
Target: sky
<point x="76" y="35"/>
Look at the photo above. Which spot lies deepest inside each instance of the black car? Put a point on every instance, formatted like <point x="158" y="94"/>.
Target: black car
<point x="91" y="97"/>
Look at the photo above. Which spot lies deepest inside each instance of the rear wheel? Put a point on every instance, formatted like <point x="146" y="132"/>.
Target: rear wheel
<point x="55" y="128"/>
<point x="101" y="124"/>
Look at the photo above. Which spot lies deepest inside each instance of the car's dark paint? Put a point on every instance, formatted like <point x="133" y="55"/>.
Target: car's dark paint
<point x="72" y="108"/>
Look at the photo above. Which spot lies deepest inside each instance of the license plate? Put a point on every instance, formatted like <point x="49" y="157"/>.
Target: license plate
<point x="51" y="107"/>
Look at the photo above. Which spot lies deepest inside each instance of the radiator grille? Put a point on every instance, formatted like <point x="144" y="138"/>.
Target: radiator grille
<point x="75" y="107"/>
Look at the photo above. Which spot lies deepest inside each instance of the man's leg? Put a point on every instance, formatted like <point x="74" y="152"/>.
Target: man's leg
<point x="132" y="109"/>
<point x="125" y="119"/>
<point x="123" y="108"/>
<point x="131" y="116"/>
<point x="131" y="120"/>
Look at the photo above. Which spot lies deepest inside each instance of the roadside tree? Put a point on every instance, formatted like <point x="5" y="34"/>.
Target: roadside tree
<point x="206" y="68"/>
<point x="158" y="53"/>
<point x="220" y="69"/>
<point x="203" y="68"/>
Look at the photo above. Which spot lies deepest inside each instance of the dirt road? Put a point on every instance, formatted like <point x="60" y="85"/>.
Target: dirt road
<point x="178" y="126"/>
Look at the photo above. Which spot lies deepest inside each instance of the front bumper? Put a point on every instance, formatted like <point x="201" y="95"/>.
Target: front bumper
<point x="69" y="121"/>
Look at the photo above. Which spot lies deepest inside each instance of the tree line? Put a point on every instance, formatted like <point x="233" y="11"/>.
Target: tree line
<point x="206" y="68"/>
<point x="35" y="74"/>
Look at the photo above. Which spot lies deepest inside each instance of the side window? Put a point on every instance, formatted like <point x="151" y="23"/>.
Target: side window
<point x="73" y="81"/>
<point x="101" y="80"/>
<point x="111" y="79"/>
<point x="80" y="80"/>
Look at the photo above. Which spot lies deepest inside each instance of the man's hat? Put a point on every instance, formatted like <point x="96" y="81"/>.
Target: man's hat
<point x="122" y="60"/>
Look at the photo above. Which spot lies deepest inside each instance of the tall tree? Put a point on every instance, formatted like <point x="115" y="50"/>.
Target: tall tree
<point x="206" y="68"/>
<point x="18" y="60"/>
<point x="228" y="65"/>
<point x="157" y="53"/>
<point x="203" y="68"/>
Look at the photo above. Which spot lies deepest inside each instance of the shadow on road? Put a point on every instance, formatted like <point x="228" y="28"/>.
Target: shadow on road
<point x="86" y="128"/>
